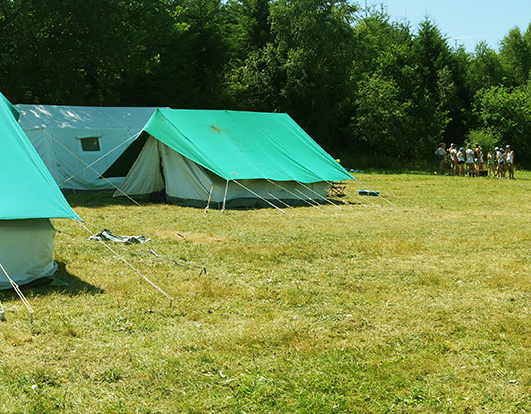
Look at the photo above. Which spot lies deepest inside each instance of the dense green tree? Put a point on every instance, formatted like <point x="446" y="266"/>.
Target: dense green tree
<point x="515" y="52"/>
<point x="304" y="69"/>
<point x="386" y="91"/>
<point x="507" y="113"/>
<point x="251" y="25"/>
<point x="443" y="73"/>
<point x="486" y="69"/>
<point x="78" y="51"/>
<point x="191" y="57"/>
<point x="403" y="100"/>
<point x="382" y="122"/>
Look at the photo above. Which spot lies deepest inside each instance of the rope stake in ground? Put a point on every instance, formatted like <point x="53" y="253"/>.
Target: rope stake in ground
<point x="379" y="195"/>
<point x="189" y="266"/>
<point x="130" y="265"/>
<point x="209" y="198"/>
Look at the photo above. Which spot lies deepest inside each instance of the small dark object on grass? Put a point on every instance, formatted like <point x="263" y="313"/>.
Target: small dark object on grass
<point x="368" y="192"/>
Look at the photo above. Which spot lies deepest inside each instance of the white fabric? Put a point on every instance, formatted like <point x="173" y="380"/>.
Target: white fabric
<point x="26" y="250"/>
<point x="55" y="132"/>
<point x="469" y="156"/>
<point x="187" y="180"/>
<point x="189" y="183"/>
<point x="145" y="176"/>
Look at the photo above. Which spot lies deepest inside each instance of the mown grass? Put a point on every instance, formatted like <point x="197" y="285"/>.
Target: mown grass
<point x="419" y="307"/>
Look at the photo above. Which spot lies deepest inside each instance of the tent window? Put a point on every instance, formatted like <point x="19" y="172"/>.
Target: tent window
<point x="90" y="144"/>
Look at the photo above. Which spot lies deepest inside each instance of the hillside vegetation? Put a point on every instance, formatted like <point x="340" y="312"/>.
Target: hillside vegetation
<point x="371" y="90"/>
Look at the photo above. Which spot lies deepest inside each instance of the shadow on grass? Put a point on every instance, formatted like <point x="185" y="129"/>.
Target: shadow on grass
<point x="61" y="282"/>
<point x="96" y="199"/>
<point x="106" y="199"/>
<point x="99" y="199"/>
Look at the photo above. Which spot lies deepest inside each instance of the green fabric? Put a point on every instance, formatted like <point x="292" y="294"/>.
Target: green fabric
<point x="5" y="103"/>
<point x="27" y="189"/>
<point x="244" y="145"/>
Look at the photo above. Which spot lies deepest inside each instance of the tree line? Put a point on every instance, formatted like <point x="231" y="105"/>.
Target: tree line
<point x="371" y="90"/>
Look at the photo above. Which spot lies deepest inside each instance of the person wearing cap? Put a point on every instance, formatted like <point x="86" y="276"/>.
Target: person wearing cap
<point x="509" y="161"/>
<point x="496" y="158"/>
<point x="461" y="161"/>
<point x="471" y="169"/>
<point x="500" y="159"/>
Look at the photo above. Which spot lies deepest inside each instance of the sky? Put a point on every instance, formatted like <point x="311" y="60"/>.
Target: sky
<point x="464" y="22"/>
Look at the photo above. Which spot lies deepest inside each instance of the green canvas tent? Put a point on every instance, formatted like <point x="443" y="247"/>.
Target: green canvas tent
<point x="29" y="198"/>
<point x="228" y="158"/>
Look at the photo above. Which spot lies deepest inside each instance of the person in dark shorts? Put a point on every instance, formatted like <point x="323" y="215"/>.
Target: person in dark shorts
<point x="441" y="156"/>
<point x="461" y="157"/>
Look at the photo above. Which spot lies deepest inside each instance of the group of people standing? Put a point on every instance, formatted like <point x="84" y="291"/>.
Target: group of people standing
<point x="472" y="161"/>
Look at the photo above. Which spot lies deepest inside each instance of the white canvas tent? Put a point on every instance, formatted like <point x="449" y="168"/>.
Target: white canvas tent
<point x="69" y="138"/>
<point x="29" y="198"/>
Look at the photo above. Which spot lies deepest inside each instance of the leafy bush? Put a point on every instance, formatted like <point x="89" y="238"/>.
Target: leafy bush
<point x="485" y="137"/>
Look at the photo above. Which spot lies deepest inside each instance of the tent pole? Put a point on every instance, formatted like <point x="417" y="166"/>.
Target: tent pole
<point x="209" y="198"/>
<point x="225" y="196"/>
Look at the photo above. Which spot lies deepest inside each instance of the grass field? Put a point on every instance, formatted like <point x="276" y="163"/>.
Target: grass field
<point x="418" y="307"/>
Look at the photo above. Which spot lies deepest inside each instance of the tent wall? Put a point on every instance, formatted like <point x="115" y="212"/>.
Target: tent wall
<point x="290" y="193"/>
<point x="68" y="163"/>
<point x="26" y="250"/>
<point x="57" y="133"/>
<point x="189" y="184"/>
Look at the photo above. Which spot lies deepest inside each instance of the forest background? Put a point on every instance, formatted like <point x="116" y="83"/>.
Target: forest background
<point x="372" y="91"/>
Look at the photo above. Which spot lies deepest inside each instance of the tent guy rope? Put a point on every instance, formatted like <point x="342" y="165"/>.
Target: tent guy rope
<point x="19" y="293"/>
<point x="257" y="195"/>
<point x="130" y="265"/>
<point x="94" y="162"/>
<point x="86" y="164"/>
<point x="203" y="269"/>
<point x="51" y="185"/>
<point x="305" y="198"/>
<point x="319" y="195"/>
<point x="379" y="195"/>
<point x="351" y="196"/>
